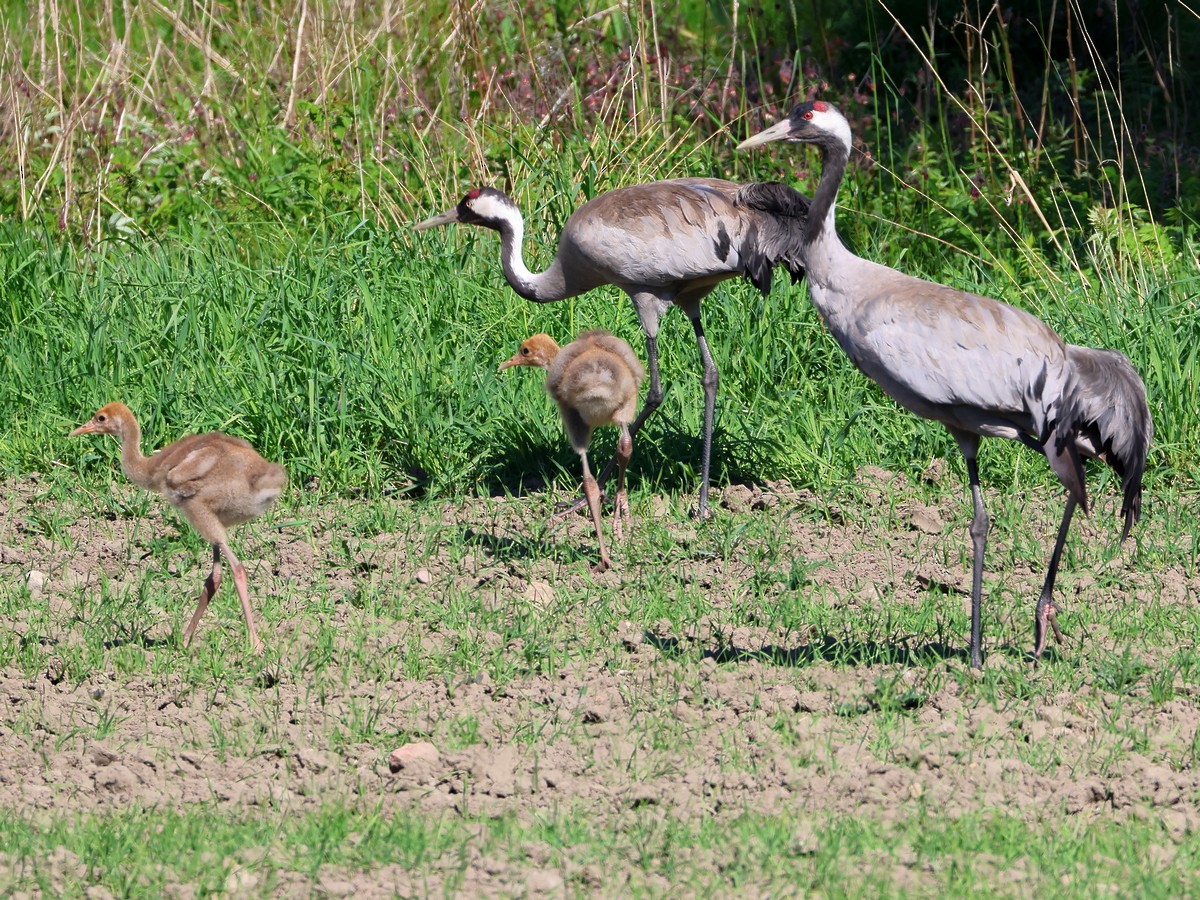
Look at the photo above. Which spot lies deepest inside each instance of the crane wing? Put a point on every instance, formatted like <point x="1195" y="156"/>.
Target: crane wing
<point x="666" y="233"/>
<point x="965" y="360"/>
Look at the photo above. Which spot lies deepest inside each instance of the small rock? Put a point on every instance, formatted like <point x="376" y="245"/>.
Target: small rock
<point x="424" y="576"/>
<point x="926" y="520"/>
<point x="36" y="582"/>
<point x="412" y="755"/>
<point x="539" y="593"/>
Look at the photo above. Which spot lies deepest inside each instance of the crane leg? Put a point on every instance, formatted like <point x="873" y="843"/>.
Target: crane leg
<point x="968" y="443"/>
<point x="621" y="503"/>
<point x="710" y="381"/>
<point x="591" y="492"/>
<point x="239" y="581"/>
<point x="211" y="584"/>
<point x="979" y="531"/>
<point x="654" y="394"/>
<point x="1046" y="607"/>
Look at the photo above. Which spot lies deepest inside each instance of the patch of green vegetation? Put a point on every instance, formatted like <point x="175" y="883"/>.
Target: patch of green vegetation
<point x="920" y="852"/>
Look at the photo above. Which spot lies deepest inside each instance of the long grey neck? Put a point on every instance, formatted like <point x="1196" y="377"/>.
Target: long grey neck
<point x="540" y="287"/>
<point x="824" y="250"/>
<point x="821" y="211"/>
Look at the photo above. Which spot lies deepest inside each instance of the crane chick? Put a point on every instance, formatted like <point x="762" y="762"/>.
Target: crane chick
<point x="215" y="481"/>
<point x="594" y="380"/>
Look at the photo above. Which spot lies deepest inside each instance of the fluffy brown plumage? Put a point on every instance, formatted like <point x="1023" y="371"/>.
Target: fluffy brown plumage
<point x="214" y="480"/>
<point x="594" y="380"/>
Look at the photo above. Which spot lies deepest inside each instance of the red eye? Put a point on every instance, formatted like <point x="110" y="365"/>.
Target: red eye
<point x="808" y="115"/>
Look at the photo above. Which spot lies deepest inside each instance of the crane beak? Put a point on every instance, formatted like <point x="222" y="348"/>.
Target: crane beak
<point x="780" y="131"/>
<point x="514" y="360"/>
<point x="85" y="428"/>
<point x="445" y="218"/>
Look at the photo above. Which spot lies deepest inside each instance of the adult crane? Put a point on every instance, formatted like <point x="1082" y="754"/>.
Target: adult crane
<point x="662" y="243"/>
<point x="979" y="366"/>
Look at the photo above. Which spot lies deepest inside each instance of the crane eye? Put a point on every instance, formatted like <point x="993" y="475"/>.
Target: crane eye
<point x="808" y="115"/>
<point x="524" y="351"/>
<point x="101" y="418"/>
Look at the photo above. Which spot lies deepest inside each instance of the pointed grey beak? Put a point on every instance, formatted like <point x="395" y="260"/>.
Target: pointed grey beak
<point x="780" y="131"/>
<point x="444" y="218"/>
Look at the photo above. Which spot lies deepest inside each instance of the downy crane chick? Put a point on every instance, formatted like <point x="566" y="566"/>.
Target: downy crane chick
<point x="215" y="482"/>
<point x="594" y="380"/>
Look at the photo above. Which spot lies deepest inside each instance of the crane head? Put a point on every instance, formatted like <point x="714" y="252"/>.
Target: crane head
<point x="538" y="350"/>
<point x="481" y="206"/>
<point x="109" y="419"/>
<point x="813" y="122"/>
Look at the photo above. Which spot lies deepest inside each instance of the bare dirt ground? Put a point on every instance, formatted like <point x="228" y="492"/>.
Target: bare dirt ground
<point x="713" y="717"/>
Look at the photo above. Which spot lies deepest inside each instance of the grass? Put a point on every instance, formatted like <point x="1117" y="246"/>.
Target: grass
<point x="207" y="217"/>
<point x="840" y="857"/>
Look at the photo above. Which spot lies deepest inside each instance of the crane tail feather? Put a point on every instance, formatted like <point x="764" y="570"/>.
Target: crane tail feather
<point x="1112" y="416"/>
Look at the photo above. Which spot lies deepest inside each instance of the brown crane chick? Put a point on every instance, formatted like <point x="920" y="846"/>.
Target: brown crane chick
<point x="594" y="380"/>
<point x="215" y="481"/>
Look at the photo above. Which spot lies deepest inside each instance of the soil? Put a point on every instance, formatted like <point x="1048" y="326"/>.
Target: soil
<point x="716" y="717"/>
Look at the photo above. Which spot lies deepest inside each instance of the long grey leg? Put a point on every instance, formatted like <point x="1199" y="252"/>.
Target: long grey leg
<point x="1046" y="607"/>
<point x="710" y="381"/>
<point x="969" y="445"/>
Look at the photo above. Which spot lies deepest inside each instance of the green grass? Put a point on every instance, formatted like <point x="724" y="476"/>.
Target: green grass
<point x="922" y="853"/>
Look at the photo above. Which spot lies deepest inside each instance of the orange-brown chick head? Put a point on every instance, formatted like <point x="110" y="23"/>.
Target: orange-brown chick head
<point x="112" y="418"/>
<point x="538" y="350"/>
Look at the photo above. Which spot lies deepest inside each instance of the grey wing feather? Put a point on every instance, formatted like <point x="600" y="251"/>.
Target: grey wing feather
<point x="1113" y="416"/>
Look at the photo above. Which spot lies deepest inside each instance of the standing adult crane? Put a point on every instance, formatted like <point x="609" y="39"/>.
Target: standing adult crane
<point x="662" y="243"/>
<point x="979" y="366"/>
